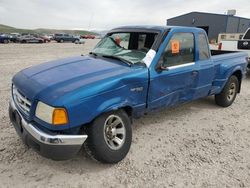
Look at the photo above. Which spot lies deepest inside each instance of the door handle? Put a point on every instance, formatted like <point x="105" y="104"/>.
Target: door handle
<point x="195" y="73"/>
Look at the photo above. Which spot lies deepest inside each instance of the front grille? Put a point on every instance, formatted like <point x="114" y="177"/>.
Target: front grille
<point x="21" y="101"/>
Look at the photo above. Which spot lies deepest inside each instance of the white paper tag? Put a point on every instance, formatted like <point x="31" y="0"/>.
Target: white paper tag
<point x="149" y="57"/>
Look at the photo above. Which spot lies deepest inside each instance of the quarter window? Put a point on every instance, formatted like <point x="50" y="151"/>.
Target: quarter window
<point x="203" y="48"/>
<point x="180" y="50"/>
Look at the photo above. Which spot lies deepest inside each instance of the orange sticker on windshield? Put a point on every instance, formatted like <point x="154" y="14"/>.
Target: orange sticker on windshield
<point x="175" y="46"/>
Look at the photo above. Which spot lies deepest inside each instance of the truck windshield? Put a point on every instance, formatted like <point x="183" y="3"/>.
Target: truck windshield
<point x="130" y="47"/>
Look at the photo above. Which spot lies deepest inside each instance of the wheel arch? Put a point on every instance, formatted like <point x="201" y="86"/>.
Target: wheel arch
<point x="126" y="108"/>
<point x="239" y="76"/>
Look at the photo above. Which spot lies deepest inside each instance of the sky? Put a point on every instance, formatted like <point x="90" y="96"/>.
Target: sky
<point x="106" y="14"/>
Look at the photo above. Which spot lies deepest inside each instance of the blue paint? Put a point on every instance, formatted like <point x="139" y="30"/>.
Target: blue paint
<point x="89" y="86"/>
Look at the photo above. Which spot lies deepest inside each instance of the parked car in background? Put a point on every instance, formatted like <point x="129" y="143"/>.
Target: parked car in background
<point x="13" y="38"/>
<point x="30" y="39"/>
<point x="4" y="39"/>
<point x="88" y="36"/>
<point x="80" y="41"/>
<point x="61" y="106"/>
<point x="45" y="38"/>
<point x="237" y="45"/>
<point x="65" y="38"/>
<point x="51" y="36"/>
<point x="230" y="36"/>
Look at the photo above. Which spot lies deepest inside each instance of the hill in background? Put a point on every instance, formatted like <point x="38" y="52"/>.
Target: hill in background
<point x="8" y="29"/>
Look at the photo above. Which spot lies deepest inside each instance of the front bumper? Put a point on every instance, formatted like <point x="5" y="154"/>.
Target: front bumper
<point x="56" y="147"/>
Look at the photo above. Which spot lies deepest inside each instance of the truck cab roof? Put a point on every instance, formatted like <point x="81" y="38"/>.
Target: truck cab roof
<point x="156" y="28"/>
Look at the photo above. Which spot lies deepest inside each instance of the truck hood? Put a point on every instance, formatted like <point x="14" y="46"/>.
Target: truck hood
<point x="48" y="82"/>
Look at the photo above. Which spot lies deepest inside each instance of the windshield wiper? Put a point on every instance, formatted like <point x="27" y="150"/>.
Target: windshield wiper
<point x="118" y="58"/>
<point x="93" y="53"/>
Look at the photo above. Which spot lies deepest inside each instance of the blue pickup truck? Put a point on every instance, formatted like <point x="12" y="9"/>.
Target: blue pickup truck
<point x="89" y="101"/>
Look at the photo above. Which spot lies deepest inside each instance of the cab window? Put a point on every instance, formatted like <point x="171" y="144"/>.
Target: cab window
<point x="179" y="51"/>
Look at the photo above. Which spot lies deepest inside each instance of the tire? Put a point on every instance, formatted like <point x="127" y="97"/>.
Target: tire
<point x="102" y="142"/>
<point x="61" y="41"/>
<point x="229" y="92"/>
<point x="23" y="41"/>
<point x="5" y="41"/>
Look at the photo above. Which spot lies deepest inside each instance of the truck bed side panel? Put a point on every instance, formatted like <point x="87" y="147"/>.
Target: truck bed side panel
<point x="225" y="65"/>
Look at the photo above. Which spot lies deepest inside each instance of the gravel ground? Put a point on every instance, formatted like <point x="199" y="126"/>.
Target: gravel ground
<point x="194" y="145"/>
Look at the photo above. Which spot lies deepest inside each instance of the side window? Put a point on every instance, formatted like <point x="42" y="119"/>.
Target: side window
<point x="180" y="50"/>
<point x="203" y="47"/>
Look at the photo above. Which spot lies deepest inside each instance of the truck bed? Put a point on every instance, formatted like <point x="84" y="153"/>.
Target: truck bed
<point x="220" y="52"/>
<point x="224" y="58"/>
<point x="224" y="64"/>
<point x="216" y="53"/>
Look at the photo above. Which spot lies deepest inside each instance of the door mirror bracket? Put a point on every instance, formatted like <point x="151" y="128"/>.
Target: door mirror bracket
<point x="160" y="68"/>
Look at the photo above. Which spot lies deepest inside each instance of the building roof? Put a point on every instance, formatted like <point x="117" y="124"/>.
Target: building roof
<point x="216" y="14"/>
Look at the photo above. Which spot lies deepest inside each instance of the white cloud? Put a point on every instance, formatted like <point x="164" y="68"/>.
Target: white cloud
<point x="106" y="14"/>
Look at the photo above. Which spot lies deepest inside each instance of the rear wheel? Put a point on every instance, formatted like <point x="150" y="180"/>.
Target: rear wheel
<point x="229" y="92"/>
<point x="61" y="41"/>
<point x="109" y="137"/>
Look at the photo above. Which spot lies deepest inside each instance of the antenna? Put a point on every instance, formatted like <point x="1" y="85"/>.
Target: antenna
<point x="90" y="21"/>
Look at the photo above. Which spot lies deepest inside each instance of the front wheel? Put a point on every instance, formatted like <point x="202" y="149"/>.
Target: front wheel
<point x="229" y="92"/>
<point x="109" y="137"/>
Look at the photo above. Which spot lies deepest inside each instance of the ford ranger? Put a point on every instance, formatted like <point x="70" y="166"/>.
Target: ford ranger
<point x="89" y="101"/>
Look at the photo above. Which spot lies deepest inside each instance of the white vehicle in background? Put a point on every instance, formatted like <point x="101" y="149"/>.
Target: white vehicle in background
<point x="230" y="36"/>
<point x="237" y="45"/>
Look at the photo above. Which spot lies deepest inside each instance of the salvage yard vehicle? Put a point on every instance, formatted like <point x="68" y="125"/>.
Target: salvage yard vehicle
<point x="45" y="38"/>
<point x="4" y="39"/>
<point x="30" y="39"/>
<point x="60" y="106"/>
<point x="237" y="45"/>
<point x="88" y="36"/>
<point x="65" y="38"/>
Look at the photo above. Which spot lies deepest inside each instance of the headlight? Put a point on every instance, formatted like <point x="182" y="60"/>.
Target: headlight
<point x="51" y="115"/>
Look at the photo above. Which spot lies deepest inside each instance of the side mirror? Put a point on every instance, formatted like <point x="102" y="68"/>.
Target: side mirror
<point x="160" y="67"/>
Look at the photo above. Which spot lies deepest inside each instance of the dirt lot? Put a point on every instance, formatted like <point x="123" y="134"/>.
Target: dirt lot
<point x="195" y="145"/>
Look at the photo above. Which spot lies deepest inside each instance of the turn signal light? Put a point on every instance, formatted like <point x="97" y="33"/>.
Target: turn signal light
<point x="60" y="116"/>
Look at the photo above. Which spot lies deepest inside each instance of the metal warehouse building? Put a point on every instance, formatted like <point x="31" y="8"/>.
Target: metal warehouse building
<point x="213" y="24"/>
